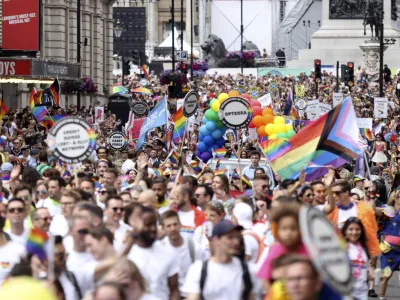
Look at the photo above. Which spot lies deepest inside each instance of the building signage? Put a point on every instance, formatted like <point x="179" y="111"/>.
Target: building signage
<point x="55" y="69"/>
<point x="15" y="67"/>
<point x="20" y="25"/>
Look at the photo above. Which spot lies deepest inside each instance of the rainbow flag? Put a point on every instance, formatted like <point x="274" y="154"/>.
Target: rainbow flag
<point x="179" y="121"/>
<point x="218" y="164"/>
<point x="119" y="89"/>
<point x="32" y="99"/>
<point x="35" y="243"/>
<point x="220" y="172"/>
<point x="146" y="73"/>
<point x="173" y="157"/>
<point x="196" y="165"/>
<point x="53" y="92"/>
<point x="246" y="180"/>
<point x="39" y="113"/>
<point x="3" y="109"/>
<point x="220" y="152"/>
<point x="330" y="140"/>
<point x="326" y="90"/>
<point x="367" y="134"/>
<point x="295" y="114"/>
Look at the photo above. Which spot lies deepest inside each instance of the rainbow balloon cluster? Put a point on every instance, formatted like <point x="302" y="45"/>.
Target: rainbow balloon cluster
<point x="212" y="130"/>
<point x="269" y="125"/>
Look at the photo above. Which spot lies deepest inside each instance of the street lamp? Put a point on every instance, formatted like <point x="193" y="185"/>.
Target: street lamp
<point x="382" y="43"/>
<point x="118" y="32"/>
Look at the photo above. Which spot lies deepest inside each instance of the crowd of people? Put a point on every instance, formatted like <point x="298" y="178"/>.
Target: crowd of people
<point x="136" y="224"/>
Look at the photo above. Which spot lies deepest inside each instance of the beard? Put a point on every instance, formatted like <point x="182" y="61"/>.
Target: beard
<point x="147" y="238"/>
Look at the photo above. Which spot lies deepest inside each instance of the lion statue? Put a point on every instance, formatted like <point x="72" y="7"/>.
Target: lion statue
<point x="214" y="51"/>
<point x="249" y="45"/>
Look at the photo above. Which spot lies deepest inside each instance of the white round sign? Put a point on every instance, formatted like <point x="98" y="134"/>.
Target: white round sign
<point x="72" y="139"/>
<point x="190" y="104"/>
<point x="235" y="112"/>
<point x="117" y="140"/>
<point x="325" y="249"/>
<point x="301" y="104"/>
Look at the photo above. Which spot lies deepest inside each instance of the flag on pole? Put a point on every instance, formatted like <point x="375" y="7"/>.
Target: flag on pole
<point x="179" y="121"/>
<point x="3" y="109"/>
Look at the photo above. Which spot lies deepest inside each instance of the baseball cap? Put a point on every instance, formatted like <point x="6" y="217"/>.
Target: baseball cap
<point x="224" y="227"/>
<point x="244" y="215"/>
<point x="34" y="151"/>
<point x="358" y="178"/>
<point x="6" y="167"/>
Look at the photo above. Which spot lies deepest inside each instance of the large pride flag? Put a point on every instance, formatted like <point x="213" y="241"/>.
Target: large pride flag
<point x="179" y="121"/>
<point x="330" y="140"/>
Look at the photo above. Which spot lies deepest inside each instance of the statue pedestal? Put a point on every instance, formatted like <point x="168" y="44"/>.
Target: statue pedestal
<point x="371" y="58"/>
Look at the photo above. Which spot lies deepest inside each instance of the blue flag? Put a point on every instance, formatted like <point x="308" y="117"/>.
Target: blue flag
<point x="156" y="118"/>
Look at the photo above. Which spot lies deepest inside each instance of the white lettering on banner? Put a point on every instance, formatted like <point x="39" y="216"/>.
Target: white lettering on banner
<point x="150" y="120"/>
<point x="19" y="19"/>
<point x="7" y="68"/>
<point x="313" y="111"/>
<point x="380" y="108"/>
<point x="324" y="108"/>
<point x="364" y="123"/>
<point x="265" y="100"/>
<point x="337" y="98"/>
<point x="58" y="69"/>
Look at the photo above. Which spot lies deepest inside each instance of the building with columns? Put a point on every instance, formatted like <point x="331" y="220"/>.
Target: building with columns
<point x="57" y="57"/>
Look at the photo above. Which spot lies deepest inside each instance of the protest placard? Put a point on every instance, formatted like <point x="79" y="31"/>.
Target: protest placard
<point x="265" y="100"/>
<point x="313" y="111"/>
<point x="337" y="98"/>
<point x="380" y="108"/>
<point x="364" y="123"/>
<point x="324" y="108"/>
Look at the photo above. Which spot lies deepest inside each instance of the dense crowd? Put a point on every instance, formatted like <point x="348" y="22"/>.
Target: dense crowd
<point x="136" y="224"/>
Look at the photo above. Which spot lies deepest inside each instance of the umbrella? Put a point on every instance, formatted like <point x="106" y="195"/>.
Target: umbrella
<point x="142" y="91"/>
<point x="119" y="89"/>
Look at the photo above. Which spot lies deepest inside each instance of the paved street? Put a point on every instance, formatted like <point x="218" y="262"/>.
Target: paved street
<point x="393" y="291"/>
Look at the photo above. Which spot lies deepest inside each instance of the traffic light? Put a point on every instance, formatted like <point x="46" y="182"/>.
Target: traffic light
<point x="126" y="67"/>
<point x="135" y="57"/>
<point x="350" y="68"/>
<point x="317" y="68"/>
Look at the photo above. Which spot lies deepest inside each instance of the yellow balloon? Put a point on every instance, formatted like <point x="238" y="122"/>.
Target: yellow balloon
<point x="280" y="128"/>
<point x="26" y="288"/>
<point x="215" y="106"/>
<point x="289" y="127"/>
<point x="269" y="129"/>
<point x="222" y="97"/>
<point x="279" y="120"/>
<point x="272" y="137"/>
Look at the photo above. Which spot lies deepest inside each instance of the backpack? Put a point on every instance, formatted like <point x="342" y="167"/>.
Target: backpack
<point x="248" y="285"/>
<point x="261" y="245"/>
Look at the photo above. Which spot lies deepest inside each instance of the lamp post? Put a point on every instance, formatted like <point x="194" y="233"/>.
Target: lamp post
<point x="241" y="35"/>
<point x="118" y="32"/>
<point x="173" y="33"/>
<point x="191" y="39"/>
<point x="382" y="43"/>
<point x="78" y="46"/>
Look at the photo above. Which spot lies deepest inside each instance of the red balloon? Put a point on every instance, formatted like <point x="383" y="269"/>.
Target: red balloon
<point x="261" y="131"/>
<point x="247" y="97"/>
<point x="256" y="103"/>
<point x="257" y="121"/>
<point x="251" y="124"/>
<point x="257" y="111"/>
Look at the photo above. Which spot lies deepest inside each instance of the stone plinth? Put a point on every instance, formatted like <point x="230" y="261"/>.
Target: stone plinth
<point x="371" y="55"/>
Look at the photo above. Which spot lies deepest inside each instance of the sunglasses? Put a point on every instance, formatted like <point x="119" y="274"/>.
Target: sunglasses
<point x="198" y="195"/>
<point x="18" y="209"/>
<point x="337" y="193"/>
<point x="47" y="219"/>
<point x="103" y="192"/>
<point x="83" y="231"/>
<point x="44" y="192"/>
<point x="308" y="195"/>
<point x="116" y="209"/>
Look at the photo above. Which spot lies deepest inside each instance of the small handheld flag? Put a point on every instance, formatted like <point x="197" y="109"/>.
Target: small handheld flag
<point x="35" y="243"/>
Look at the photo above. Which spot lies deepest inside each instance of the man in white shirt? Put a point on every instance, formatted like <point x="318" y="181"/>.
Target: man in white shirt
<point x="183" y="248"/>
<point x="156" y="263"/>
<point x="113" y="212"/>
<point x="10" y="254"/>
<point x="41" y="219"/>
<point x="68" y="200"/>
<point x="99" y="243"/>
<point x="249" y="171"/>
<point x="16" y="214"/>
<point x="214" y="278"/>
<point x="55" y="188"/>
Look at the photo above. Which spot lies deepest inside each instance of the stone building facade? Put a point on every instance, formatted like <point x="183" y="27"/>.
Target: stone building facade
<point x="58" y="43"/>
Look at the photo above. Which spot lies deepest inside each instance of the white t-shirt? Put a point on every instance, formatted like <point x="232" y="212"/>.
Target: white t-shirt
<point x="201" y="242"/>
<point x="53" y="206"/>
<point x="10" y="255"/>
<point x="185" y="260"/>
<point x="251" y="247"/>
<point x="360" y="284"/>
<point x="119" y="236"/>
<point x="59" y="226"/>
<point x="187" y="222"/>
<point x="68" y="287"/>
<point x="77" y="260"/>
<point x="223" y="282"/>
<point x="19" y="239"/>
<point x="157" y="264"/>
<point x="343" y="215"/>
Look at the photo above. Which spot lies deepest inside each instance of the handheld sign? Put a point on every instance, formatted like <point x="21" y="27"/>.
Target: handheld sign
<point x="235" y="113"/>
<point x="190" y="104"/>
<point x="72" y="140"/>
<point x="301" y="104"/>
<point x="117" y="140"/>
<point x="326" y="250"/>
<point x="140" y="109"/>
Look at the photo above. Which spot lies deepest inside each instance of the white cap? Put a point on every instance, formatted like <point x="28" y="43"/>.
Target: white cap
<point x="244" y="215"/>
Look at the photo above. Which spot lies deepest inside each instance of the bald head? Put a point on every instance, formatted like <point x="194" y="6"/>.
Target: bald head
<point x="148" y="198"/>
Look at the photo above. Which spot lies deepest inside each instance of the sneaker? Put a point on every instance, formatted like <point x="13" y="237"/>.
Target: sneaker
<point x="372" y="294"/>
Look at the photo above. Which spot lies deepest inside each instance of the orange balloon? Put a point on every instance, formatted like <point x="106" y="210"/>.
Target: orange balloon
<point x="258" y="121"/>
<point x="261" y="131"/>
<point x="267" y="111"/>
<point x="268" y="119"/>
<point x="234" y="93"/>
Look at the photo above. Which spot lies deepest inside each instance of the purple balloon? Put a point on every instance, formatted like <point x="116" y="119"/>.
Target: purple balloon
<point x="205" y="157"/>
<point x="220" y="142"/>
<point x="198" y="153"/>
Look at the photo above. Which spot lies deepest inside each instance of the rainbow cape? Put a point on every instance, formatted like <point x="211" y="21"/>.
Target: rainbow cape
<point x="330" y="140"/>
<point x="179" y="121"/>
<point x="35" y="243"/>
<point x="3" y="109"/>
<point x="367" y="134"/>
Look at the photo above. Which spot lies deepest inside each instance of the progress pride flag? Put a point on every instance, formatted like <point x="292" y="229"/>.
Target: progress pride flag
<point x="21" y="25"/>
